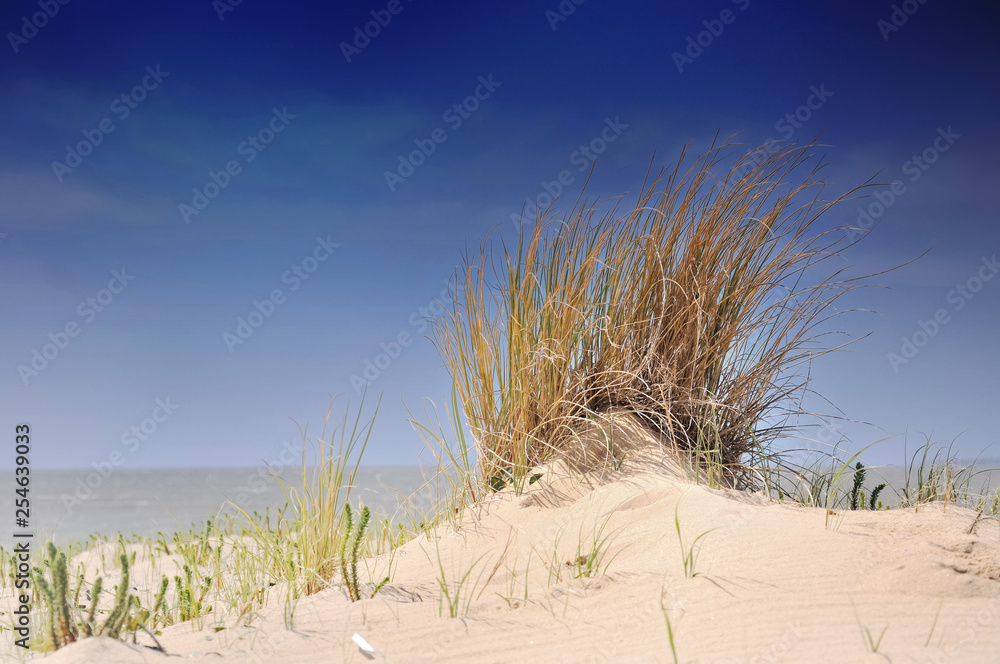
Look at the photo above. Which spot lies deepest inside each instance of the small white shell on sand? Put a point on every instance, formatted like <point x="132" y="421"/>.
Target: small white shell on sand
<point x="363" y="645"/>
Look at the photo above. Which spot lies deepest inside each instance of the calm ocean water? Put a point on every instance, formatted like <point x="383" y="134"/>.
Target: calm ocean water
<point x="145" y="501"/>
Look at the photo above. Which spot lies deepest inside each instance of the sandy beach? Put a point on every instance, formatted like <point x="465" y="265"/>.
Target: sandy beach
<point x="637" y="564"/>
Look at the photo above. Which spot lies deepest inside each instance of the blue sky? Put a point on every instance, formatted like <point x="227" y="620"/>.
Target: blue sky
<point x="265" y="90"/>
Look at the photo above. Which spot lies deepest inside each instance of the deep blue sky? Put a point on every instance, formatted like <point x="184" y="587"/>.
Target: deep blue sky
<point x="161" y="338"/>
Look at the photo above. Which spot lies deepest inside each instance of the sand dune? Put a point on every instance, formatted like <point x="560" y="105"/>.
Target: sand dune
<point x="774" y="582"/>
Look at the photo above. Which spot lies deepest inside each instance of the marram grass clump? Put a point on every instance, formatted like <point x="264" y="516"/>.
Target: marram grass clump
<point x="692" y="309"/>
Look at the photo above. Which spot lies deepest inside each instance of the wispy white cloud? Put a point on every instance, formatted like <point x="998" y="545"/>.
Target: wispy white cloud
<point x="35" y="201"/>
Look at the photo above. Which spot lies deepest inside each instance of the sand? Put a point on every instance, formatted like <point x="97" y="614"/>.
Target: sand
<point x="774" y="582"/>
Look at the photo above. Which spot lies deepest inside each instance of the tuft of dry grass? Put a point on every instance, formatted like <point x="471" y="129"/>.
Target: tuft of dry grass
<point x="941" y="479"/>
<point x="310" y="541"/>
<point x="693" y="308"/>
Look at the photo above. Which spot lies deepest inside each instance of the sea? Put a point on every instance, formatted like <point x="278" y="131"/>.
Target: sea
<point x="70" y="505"/>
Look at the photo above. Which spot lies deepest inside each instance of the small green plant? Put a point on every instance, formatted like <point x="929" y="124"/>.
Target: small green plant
<point x="552" y="563"/>
<point x="158" y="615"/>
<point x="457" y="594"/>
<point x="501" y="479"/>
<point x="834" y="486"/>
<point x="508" y="477"/>
<point x="350" y="549"/>
<point x="63" y="622"/>
<point x="937" y="479"/>
<point x="352" y="542"/>
<point x="95" y="594"/>
<point x="818" y="483"/>
<point x="857" y="497"/>
<point x="874" y="503"/>
<point x="61" y="629"/>
<point x="609" y="438"/>
<point x="589" y="560"/>
<point x="292" y="596"/>
<point x="514" y="596"/>
<point x="195" y="546"/>
<point x="859" y="479"/>
<point x="161" y="544"/>
<point x="191" y="595"/>
<point x="123" y="604"/>
<point x="689" y="556"/>
<point x="246" y="588"/>
<point x="811" y="487"/>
